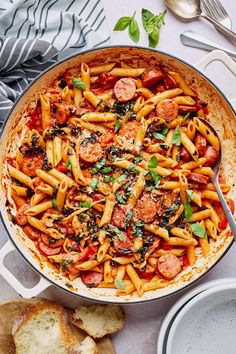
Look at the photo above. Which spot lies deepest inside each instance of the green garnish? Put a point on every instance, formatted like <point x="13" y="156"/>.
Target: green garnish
<point x="68" y="164"/>
<point x="107" y="179"/>
<point x="106" y="169"/>
<point x="177" y="136"/>
<point x="54" y="197"/>
<point x="132" y="25"/>
<point x="198" y="230"/>
<point x="119" y="234"/>
<point x="152" y="25"/>
<point x="85" y="204"/>
<point x="186" y="117"/>
<point x="153" y="163"/>
<point x="94" y="183"/>
<point x="128" y="218"/>
<point x="118" y="124"/>
<point x="98" y="166"/>
<point x="121" y="198"/>
<point x="187" y="207"/>
<point x="161" y="134"/>
<point x="119" y="284"/>
<point x="78" y="84"/>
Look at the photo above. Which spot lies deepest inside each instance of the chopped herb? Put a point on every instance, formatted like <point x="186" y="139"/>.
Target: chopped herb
<point x="119" y="284"/>
<point x="190" y="193"/>
<point x="160" y="134"/>
<point x="152" y="163"/>
<point x="118" y="124"/>
<point x="198" y="230"/>
<point x="106" y="169"/>
<point x="54" y="197"/>
<point x="121" y="178"/>
<point x="85" y="204"/>
<point x="107" y="179"/>
<point x="121" y="198"/>
<point x="68" y="164"/>
<point x="133" y="170"/>
<point x="186" y="117"/>
<point x="94" y="183"/>
<point x="137" y="229"/>
<point x="119" y="234"/>
<point x="128" y="218"/>
<point x="98" y="166"/>
<point x="152" y="25"/>
<point x="155" y="178"/>
<point x="177" y="136"/>
<point x="137" y="159"/>
<point x="188" y="211"/>
<point x="65" y="264"/>
<point x="78" y="84"/>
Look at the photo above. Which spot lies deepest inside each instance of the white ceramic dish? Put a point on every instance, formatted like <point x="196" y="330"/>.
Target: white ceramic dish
<point x="168" y="320"/>
<point x="206" y="324"/>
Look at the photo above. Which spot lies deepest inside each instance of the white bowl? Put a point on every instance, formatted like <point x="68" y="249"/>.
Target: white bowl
<point x="206" y="324"/>
<point x="168" y="320"/>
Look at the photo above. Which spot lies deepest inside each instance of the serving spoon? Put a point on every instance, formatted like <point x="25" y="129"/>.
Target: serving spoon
<point x="190" y="9"/>
<point x="215" y="181"/>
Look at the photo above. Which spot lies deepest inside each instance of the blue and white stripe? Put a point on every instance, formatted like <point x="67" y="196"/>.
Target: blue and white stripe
<point x="34" y="34"/>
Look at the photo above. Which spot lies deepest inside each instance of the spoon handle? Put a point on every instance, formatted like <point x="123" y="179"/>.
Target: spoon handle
<point x="225" y="206"/>
<point x="227" y="32"/>
<point x="192" y="39"/>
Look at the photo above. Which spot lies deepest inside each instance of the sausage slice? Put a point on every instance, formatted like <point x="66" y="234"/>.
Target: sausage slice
<point x="91" y="278"/>
<point x="125" y="89"/>
<point x="201" y="144"/>
<point x="129" y="130"/>
<point x="212" y="156"/>
<point x="146" y="209"/>
<point x="151" y="77"/>
<point x="90" y="152"/>
<point x="167" y="109"/>
<point x="21" y="218"/>
<point x="169" y="265"/>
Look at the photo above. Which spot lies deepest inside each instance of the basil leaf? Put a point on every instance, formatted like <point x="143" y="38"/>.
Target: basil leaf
<point x="186" y="117"/>
<point x="147" y="16"/>
<point x="177" y="136"/>
<point x="134" y="33"/>
<point x="98" y="166"/>
<point x="121" y="198"/>
<point x="118" y="124"/>
<point x="119" y="284"/>
<point x="121" y="178"/>
<point x="188" y="211"/>
<point x="190" y="193"/>
<point x="137" y="229"/>
<point x="153" y="38"/>
<point x="155" y="178"/>
<point x="119" y="234"/>
<point x="122" y="23"/>
<point x="159" y="136"/>
<point x="68" y="164"/>
<point x="85" y="204"/>
<point x="128" y="218"/>
<point x="108" y="179"/>
<point x="78" y="84"/>
<point x="198" y="230"/>
<point x="54" y="197"/>
<point x="137" y="159"/>
<point x="94" y="183"/>
<point x="152" y="163"/>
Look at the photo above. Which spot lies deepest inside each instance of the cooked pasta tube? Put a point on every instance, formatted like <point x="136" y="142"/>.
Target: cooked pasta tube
<point x="49" y="152"/>
<point x="123" y="260"/>
<point x="127" y="72"/>
<point x="138" y="141"/>
<point x="107" y="272"/>
<point x="19" y="201"/>
<point x="128" y="165"/>
<point x="61" y="194"/>
<point x="92" y="127"/>
<point x="145" y="92"/>
<point x="103" y="250"/>
<point x="57" y="150"/>
<point x="60" y="176"/>
<point x="197" y="199"/>
<point x="164" y="95"/>
<point x="204" y="246"/>
<point x="138" y="104"/>
<point x="39" y="208"/>
<point x="182" y="83"/>
<point x="177" y="241"/>
<point x="178" y="252"/>
<point x="21" y="191"/>
<point x="20" y="176"/>
<point x="108" y="210"/>
<point x="189" y="146"/>
<point x="194" y="164"/>
<point x="210" y="228"/>
<point x="162" y="171"/>
<point x="214" y="216"/>
<point x="169" y="185"/>
<point x="176" y="231"/>
<point x="154" y="284"/>
<point x="98" y="69"/>
<point x="77" y="94"/>
<point x="174" y="123"/>
<point x="37" y="198"/>
<point x="157" y="230"/>
<point x="145" y="110"/>
<point x="191" y="130"/>
<point x="45" y="111"/>
<point x="137" y="190"/>
<point x="87" y="265"/>
<point x="93" y="99"/>
<point x="99" y="117"/>
<point x="177" y="214"/>
<point x="184" y="100"/>
<point x="199" y="215"/>
<point x="85" y="75"/>
<point x="75" y="166"/>
<point x="191" y="255"/>
<point x="207" y="171"/>
<point x="224" y="187"/>
<point x="135" y="279"/>
<point x="183" y="184"/>
<point x="47" y="177"/>
<point x="120" y="272"/>
<point x="207" y="133"/>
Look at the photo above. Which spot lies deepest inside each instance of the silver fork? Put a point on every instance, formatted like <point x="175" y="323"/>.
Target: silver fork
<point x="216" y="10"/>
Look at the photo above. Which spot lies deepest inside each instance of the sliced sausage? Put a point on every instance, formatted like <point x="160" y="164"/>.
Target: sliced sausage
<point x="169" y="265"/>
<point x="186" y="109"/>
<point x="119" y="215"/>
<point x="29" y="165"/>
<point x="31" y="232"/>
<point x="201" y="144"/>
<point x="123" y="247"/>
<point x="91" y="279"/>
<point x="185" y="155"/>
<point x="48" y="251"/>
<point x="51" y="242"/>
<point x="124" y="89"/>
<point x="167" y="109"/>
<point x="90" y="152"/>
<point x="197" y="177"/>
<point x="21" y="218"/>
<point x="145" y="209"/>
<point x="212" y="156"/>
<point x="129" y="130"/>
<point x="62" y="113"/>
<point x="107" y="81"/>
<point x="151" y="77"/>
<point x="169" y="82"/>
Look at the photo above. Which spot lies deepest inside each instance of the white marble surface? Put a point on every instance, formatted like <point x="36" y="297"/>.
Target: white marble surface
<point x="143" y="321"/>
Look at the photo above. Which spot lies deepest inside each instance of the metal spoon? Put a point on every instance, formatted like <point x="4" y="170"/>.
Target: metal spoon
<point x="215" y="181"/>
<point x="190" y="9"/>
<point x="192" y="39"/>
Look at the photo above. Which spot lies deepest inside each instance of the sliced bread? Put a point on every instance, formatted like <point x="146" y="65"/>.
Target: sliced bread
<point x="87" y="346"/>
<point x="44" y="329"/>
<point x="99" y="320"/>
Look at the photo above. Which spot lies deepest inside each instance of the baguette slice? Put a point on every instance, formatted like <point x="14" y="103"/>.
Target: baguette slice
<point x="87" y="346"/>
<point x="43" y="330"/>
<point x="99" y="320"/>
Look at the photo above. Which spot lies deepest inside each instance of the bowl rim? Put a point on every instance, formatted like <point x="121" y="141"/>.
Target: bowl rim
<point x="189" y="305"/>
<point x="40" y="272"/>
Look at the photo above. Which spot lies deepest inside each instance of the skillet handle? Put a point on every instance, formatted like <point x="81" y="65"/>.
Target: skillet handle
<point x="217" y="55"/>
<point x="10" y="278"/>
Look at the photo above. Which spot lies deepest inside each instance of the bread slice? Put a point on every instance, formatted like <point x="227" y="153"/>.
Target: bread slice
<point x="87" y="346"/>
<point x="99" y="320"/>
<point x="43" y="330"/>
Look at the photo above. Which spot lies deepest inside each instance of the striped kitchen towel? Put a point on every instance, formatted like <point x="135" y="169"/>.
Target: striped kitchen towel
<point x="34" y="34"/>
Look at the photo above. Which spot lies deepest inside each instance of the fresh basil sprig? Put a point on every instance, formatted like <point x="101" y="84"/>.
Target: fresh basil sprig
<point x="131" y="23"/>
<point x="152" y="25"/>
<point x="177" y="136"/>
